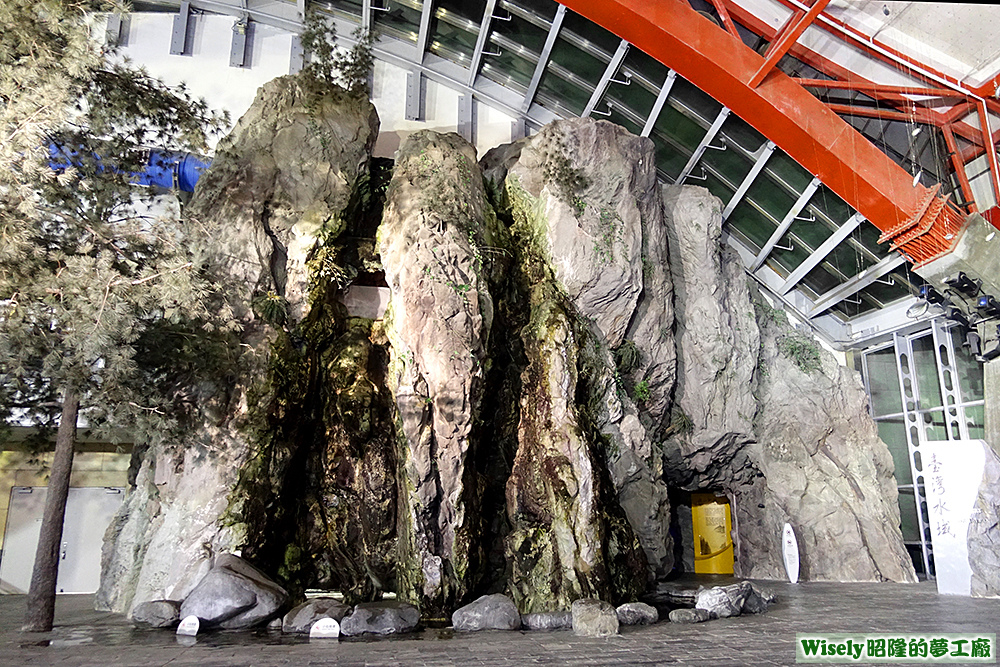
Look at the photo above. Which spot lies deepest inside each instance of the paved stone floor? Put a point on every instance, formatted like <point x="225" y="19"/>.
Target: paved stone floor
<point x="85" y="637"/>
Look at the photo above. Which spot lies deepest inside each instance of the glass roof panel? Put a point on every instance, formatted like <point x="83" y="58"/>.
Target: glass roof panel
<point x="542" y="11"/>
<point x="585" y="29"/>
<point x="455" y="29"/>
<point x="788" y="253"/>
<point x="820" y="280"/>
<point x="751" y="223"/>
<point x="349" y="7"/>
<point x="402" y="21"/>
<point x="782" y="168"/>
<point x="693" y="98"/>
<point x="736" y="130"/>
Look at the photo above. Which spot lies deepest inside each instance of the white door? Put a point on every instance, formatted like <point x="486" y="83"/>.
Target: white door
<point x="88" y="513"/>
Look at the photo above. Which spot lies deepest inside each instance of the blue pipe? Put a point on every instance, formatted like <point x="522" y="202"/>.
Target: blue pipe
<point x="164" y="169"/>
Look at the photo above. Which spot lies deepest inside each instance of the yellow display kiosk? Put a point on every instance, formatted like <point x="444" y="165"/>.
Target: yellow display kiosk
<point x="713" y="544"/>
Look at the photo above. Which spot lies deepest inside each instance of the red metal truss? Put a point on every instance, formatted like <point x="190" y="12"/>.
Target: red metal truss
<point x="877" y="91"/>
<point x="727" y="21"/>
<point x="956" y="162"/>
<point x="875" y="88"/>
<point x="778" y="48"/>
<point x="780" y="109"/>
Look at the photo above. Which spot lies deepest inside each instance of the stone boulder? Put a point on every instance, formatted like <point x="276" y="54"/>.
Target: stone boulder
<point x="233" y="595"/>
<point x="984" y="531"/>
<point x="489" y="612"/>
<point x="723" y="601"/>
<point x="301" y="618"/>
<point x="689" y="616"/>
<point x="637" y="613"/>
<point x="547" y="620"/>
<point x="156" y="614"/>
<point x="594" y="618"/>
<point x="381" y="618"/>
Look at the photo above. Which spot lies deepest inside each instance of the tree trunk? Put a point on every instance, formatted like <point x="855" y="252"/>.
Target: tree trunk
<point x="42" y="592"/>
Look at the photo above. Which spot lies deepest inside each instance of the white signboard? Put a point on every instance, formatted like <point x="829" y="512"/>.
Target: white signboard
<point x="952" y="474"/>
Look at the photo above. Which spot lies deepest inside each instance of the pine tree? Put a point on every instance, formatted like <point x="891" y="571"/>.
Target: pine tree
<point x="99" y="292"/>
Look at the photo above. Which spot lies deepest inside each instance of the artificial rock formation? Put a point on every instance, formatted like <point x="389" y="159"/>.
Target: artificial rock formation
<point x="984" y="530"/>
<point x="439" y="323"/>
<point x="769" y="418"/>
<point x="586" y="206"/>
<point x="563" y="339"/>
<point x="283" y="177"/>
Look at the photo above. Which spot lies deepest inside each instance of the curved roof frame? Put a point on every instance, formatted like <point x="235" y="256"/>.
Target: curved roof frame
<point x="896" y="201"/>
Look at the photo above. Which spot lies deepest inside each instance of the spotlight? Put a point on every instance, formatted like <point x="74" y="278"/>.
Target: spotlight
<point x="972" y="340"/>
<point x="956" y="315"/>
<point x="988" y="306"/>
<point x="930" y="295"/>
<point x="965" y="284"/>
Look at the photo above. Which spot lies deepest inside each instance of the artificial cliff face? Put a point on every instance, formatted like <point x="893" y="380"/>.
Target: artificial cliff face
<point x="562" y="340"/>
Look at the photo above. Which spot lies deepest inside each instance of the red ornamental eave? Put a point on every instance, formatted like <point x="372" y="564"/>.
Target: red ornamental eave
<point x="779" y="108"/>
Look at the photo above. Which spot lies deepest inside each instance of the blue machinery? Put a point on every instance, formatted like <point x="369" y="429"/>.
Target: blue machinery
<point x="163" y="169"/>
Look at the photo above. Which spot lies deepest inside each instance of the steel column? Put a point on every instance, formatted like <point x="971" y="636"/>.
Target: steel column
<point x="425" y="28"/>
<point x="856" y="284"/>
<point x="609" y="71"/>
<point x="543" y="58"/>
<point x="484" y="33"/>
<point x="661" y="99"/>
<point x="821" y="252"/>
<point x="706" y="140"/>
<point x="786" y="222"/>
<point x="178" y="36"/>
<point x="765" y="153"/>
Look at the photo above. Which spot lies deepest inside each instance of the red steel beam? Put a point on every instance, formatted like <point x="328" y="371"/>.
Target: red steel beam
<point x="869" y="88"/>
<point x="727" y="21"/>
<point x="780" y="109"/>
<point x="991" y="149"/>
<point x="789" y="36"/>
<point x="956" y="162"/>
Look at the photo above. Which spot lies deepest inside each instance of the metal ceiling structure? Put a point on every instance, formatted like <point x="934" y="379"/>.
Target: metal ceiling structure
<point x="804" y="120"/>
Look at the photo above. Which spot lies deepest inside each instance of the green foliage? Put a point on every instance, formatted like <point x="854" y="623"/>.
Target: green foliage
<point x="271" y="307"/>
<point x="567" y="180"/>
<point x="767" y="315"/>
<point x="610" y="235"/>
<point x="802" y="350"/>
<point x="680" y="422"/>
<point x="641" y="391"/>
<point x="349" y="68"/>
<point x="628" y="357"/>
<point x="94" y="270"/>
